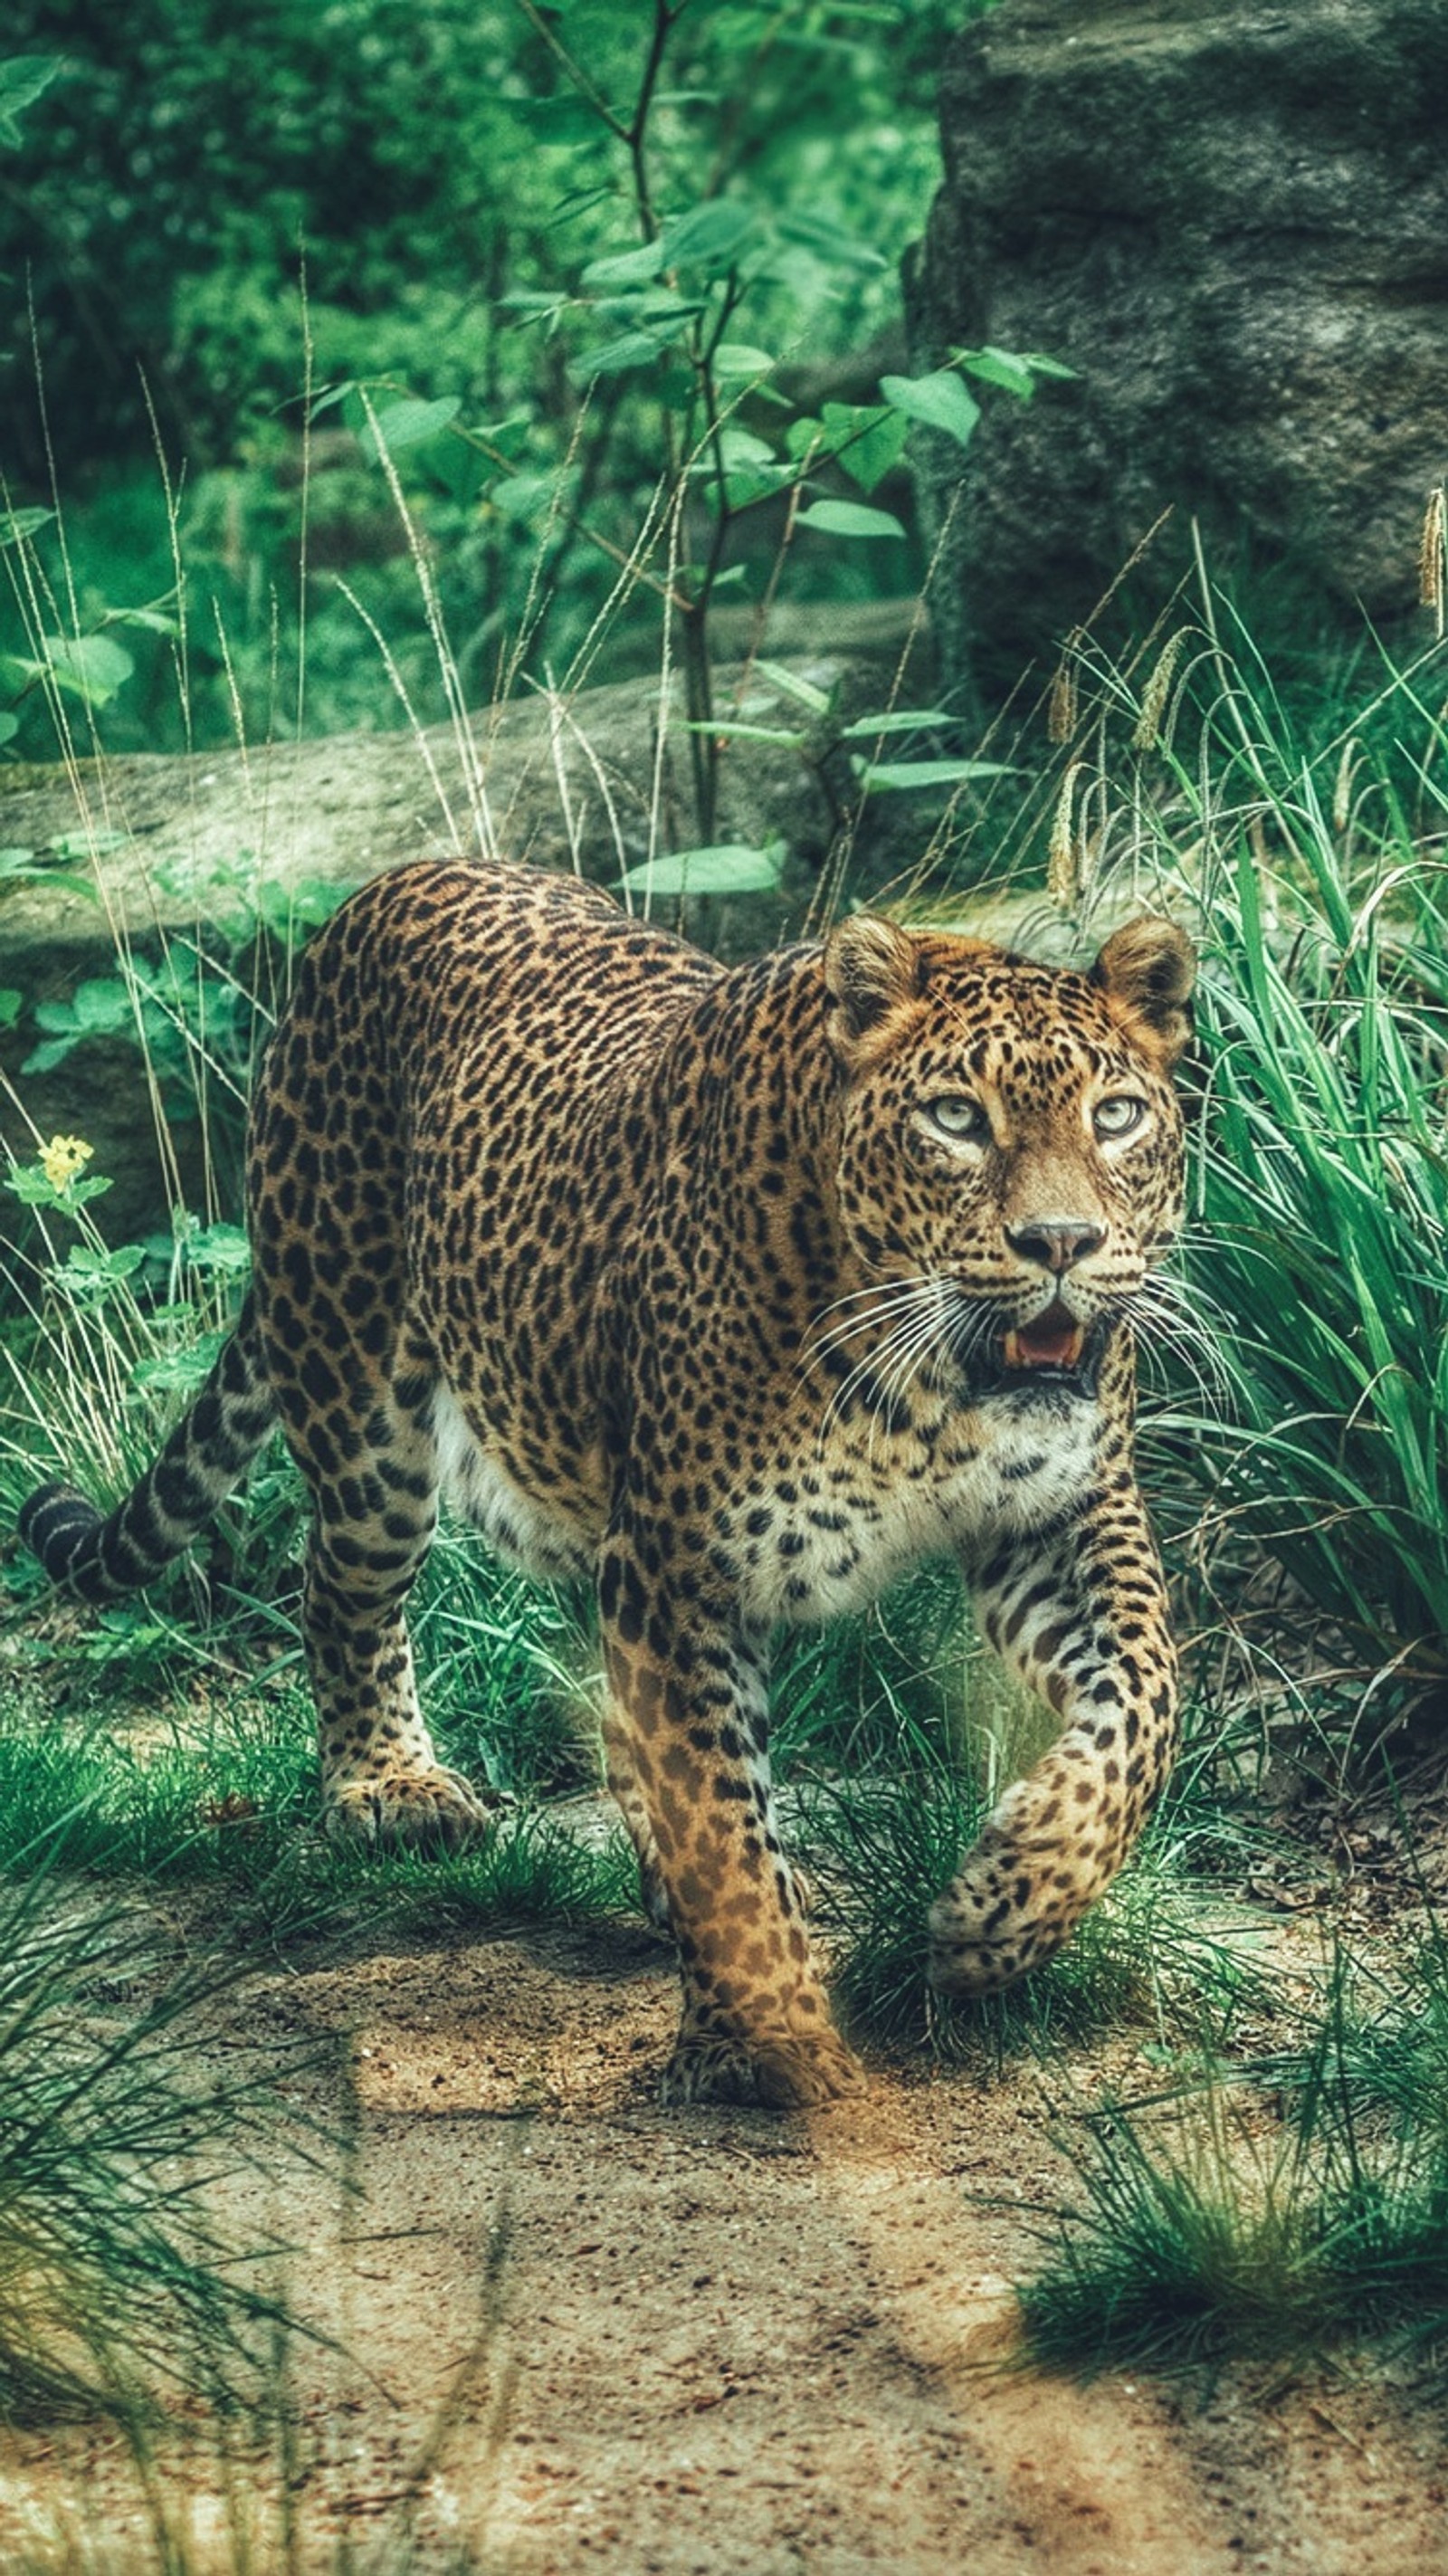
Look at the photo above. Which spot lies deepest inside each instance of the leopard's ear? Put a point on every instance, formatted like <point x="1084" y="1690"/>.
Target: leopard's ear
<point x="1148" y="968"/>
<point x="873" y="971"/>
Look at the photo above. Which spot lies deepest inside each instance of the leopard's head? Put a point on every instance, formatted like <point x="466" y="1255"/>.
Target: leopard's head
<point x="1010" y="1142"/>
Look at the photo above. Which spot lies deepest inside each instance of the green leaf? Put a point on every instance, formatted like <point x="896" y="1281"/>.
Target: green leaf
<point x="790" y="685"/>
<point x="22" y="81"/>
<point x="709" y="236"/>
<point x="531" y="497"/>
<point x="95" y="844"/>
<point x="10" y="1005"/>
<point x="998" y="367"/>
<point x="616" y="357"/>
<point x="407" y="424"/>
<point x="9" y="726"/>
<point x="532" y="302"/>
<point x="292" y="912"/>
<point x="941" y="401"/>
<point x="182" y="1372"/>
<point x="830" y="241"/>
<point x="152" y="621"/>
<point x="92" y="667"/>
<point x="899" y="720"/>
<point x="867" y="438"/>
<point x="877" y="776"/>
<point x="734" y="362"/>
<point x="100" y="1003"/>
<point x="729" y="867"/>
<point x="220" y="1251"/>
<point x="753" y="483"/>
<point x="84" y="1261"/>
<point x="733" y="729"/>
<point x="21" y="867"/>
<point x="740" y="447"/>
<point x="33" y="1189"/>
<point x="626" y="267"/>
<point x="659" y="310"/>
<point x="45" y="1057"/>
<point x="99" y="1007"/>
<point x="849" y="519"/>
<point x="1015" y="373"/>
<point x="331" y="395"/>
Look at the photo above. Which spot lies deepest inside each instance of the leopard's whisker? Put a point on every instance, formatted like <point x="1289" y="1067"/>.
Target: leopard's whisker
<point x="877" y="1361"/>
<point x="1163" y="1324"/>
<point x="852" y="1326"/>
<point x="873" y="1288"/>
<point x="870" y="1363"/>
<point x="890" y="1296"/>
<point x="898" y="1308"/>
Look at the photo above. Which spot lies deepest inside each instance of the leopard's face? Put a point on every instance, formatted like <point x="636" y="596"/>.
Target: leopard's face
<point x="1011" y="1157"/>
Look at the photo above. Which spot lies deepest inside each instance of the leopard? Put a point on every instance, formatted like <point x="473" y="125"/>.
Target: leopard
<point x="735" y="1291"/>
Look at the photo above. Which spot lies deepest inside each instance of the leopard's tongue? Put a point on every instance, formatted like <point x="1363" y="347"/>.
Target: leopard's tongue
<point x="1054" y="1340"/>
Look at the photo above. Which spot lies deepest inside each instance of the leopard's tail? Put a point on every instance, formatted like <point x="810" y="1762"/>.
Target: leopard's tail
<point x="97" y="1554"/>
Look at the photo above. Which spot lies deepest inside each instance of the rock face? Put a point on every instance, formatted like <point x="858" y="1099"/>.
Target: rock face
<point x="1232" y="220"/>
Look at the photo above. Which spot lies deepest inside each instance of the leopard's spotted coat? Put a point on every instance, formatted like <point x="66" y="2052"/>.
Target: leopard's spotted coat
<point x="737" y="1292"/>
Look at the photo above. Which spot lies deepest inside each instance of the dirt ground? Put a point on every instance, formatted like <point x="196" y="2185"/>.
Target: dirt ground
<point x="724" y="2342"/>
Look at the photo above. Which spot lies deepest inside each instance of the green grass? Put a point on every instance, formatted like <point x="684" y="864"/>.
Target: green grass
<point x="1287" y="2208"/>
<point x="114" y="2277"/>
<point x="1318" y="1236"/>
<point x="228" y="1802"/>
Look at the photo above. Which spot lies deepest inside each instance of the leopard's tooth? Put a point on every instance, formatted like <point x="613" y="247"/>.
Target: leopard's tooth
<point x="1015" y="1357"/>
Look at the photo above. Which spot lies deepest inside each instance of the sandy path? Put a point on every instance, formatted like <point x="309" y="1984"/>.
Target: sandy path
<point x="728" y="2343"/>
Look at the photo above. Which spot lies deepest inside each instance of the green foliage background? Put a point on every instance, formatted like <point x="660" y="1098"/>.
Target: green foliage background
<point x="214" y="212"/>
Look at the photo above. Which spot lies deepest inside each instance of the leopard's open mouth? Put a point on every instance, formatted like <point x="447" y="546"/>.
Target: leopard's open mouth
<point x="1054" y="1350"/>
<point x="1054" y="1340"/>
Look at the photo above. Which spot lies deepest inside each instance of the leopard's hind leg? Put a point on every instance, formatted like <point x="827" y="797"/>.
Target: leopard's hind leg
<point x="622" y="1779"/>
<point x="354" y="1380"/>
<point x="373" y="1471"/>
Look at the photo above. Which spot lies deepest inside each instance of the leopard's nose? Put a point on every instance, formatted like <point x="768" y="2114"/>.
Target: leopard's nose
<point x="1056" y="1242"/>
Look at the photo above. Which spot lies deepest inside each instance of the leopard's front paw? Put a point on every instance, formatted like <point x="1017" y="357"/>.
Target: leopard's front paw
<point x="433" y="1810"/>
<point x="785" y="2070"/>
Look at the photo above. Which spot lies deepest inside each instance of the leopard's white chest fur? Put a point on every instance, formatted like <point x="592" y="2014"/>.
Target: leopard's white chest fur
<point x="839" y="1531"/>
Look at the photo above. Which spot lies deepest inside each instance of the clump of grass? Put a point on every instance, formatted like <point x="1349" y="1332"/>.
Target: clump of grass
<point x="250" y="2475"/>
<point x="1376" y="2058"/>
<point x="1324" y="1198"/>
<point x="1205" y="2226"/>
<point x="881" y="1849"/>
<point x="1189" y="2245"/>
<point x="508" y="1669"/>
<point x="866" y="1693"/>
<point x="112" y="2275"/>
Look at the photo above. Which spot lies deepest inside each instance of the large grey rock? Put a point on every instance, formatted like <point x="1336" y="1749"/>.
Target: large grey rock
<point x="1232" y="219"/>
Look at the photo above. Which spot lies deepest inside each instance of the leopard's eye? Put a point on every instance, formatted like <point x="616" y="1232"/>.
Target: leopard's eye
<point x="1117" y="1116"/>
<point x="964" y="1121"/>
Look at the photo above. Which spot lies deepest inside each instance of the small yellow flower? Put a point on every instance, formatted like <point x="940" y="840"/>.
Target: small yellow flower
<point x="62" y="1158"/>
